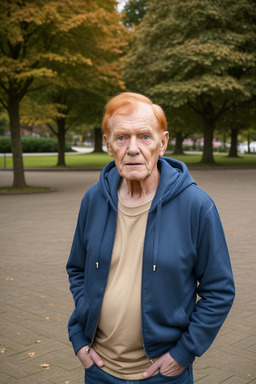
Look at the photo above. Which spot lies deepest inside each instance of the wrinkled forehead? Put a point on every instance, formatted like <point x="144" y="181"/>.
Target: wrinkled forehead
<point x="139" y="115"/>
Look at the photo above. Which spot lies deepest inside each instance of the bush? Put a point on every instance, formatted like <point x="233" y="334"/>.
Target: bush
<point x="33" y="145"/>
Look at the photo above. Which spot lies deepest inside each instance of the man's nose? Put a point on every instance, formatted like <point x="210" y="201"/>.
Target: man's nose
<point x="133" y="148"/>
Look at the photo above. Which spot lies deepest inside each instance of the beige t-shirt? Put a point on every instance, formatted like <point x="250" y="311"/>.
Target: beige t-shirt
<point x="118" y="338"/>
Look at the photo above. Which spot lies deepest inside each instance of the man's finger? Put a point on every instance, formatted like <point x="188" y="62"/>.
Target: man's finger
<point x="96" y="358"/>
<point x="151" y="370"/>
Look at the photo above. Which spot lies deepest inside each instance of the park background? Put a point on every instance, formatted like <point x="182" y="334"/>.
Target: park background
<point x="60" y="61"/>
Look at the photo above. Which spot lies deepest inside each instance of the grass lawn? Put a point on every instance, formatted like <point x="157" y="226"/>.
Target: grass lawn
<point x="92" y="160"/>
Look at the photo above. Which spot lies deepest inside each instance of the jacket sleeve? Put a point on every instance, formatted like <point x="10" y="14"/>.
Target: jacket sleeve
<point x="75" y="269"/>
<point x="215" y="289"/>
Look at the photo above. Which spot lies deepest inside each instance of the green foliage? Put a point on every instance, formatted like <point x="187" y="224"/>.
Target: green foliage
<point x="60" y="45"/>
<point x="32" y="145"/>
<point x="197" y="55"/>
<point x="134" y="11"/>
<point x="195" y="51"/>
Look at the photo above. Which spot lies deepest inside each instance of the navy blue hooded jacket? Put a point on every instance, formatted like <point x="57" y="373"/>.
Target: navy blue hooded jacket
<point x="187" y="284"/>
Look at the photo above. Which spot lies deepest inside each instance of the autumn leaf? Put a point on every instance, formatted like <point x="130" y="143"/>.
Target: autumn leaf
<point x="31" y="354"/>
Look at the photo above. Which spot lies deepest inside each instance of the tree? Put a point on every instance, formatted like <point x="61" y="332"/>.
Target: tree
<point x="134" y="11"/>
<point x="196" y="53"/>
<point x="238" y="120"/>
<point x="32" y="34"/>
<point x="81" y="91"/>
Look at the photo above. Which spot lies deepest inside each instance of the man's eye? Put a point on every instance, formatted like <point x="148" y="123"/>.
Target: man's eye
<point x="145" y="137"/>
<point x="120" y="138"/>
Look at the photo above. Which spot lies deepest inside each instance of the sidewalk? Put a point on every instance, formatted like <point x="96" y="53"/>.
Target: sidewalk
<point x="36" y="232"/>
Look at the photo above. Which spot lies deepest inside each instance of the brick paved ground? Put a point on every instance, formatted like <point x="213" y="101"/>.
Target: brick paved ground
<point x="35" y="237"/>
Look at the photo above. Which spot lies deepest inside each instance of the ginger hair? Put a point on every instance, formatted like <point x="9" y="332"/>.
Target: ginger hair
<point x="125" y="103"/>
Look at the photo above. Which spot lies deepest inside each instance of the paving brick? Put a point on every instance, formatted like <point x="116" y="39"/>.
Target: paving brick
<point x="36" y="232"/>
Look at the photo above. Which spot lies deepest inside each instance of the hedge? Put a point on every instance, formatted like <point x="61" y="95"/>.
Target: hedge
<point x="33" y="145"/>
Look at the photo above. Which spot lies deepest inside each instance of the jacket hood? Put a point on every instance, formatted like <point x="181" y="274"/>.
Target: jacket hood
<point x="174" y="179"/>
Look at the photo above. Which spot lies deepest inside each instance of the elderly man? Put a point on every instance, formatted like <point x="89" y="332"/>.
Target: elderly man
<point x="148" y="244"/>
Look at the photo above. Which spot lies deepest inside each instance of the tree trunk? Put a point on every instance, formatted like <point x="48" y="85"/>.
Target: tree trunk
<point x="98" y="140"/>
<point x="209" y="125"/>
<point x="233" y="147"/>
<point x="18" y="168"/>
<point x="249" y="142"/>
<point x="178" y="150"/>
<point x="61" y="143"/>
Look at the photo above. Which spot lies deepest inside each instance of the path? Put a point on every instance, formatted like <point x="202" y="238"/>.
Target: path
<point x="35" y="237"/>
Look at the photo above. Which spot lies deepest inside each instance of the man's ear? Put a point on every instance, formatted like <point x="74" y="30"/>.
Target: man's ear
<point x="164" y="142"/>
<point x="106" y="139"/>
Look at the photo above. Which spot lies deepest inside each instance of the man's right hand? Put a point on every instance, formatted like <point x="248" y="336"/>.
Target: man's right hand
<point x="88" y="360"/>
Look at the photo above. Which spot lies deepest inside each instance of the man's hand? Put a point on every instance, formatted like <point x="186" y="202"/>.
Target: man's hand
<point x="167" y="366"/>
<point x="92" y="357"/>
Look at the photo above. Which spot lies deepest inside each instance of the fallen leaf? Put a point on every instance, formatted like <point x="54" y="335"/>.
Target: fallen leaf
<point x="66" y="382"/>
<point x="9" y="278"/>
<point x="47" y="318"/>
<point x="3" y="350"/>
<point x="31" y="354"/>
<point x="46" y="366"/>
<point x="42" y="297"/>
<point x="38" y="341"/>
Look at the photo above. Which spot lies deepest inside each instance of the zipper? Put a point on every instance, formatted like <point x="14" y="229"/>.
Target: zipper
<point x="98" y="317"/>
<point x="142" y="332"/>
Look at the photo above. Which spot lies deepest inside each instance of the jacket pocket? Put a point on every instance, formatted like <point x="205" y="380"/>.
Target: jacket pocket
<point x="178" y="379"/>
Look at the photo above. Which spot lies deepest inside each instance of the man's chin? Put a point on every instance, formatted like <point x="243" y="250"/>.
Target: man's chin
<point x="135" y="175"/>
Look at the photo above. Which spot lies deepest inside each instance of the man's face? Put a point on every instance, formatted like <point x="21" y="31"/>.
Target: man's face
<point x="136" y="142"/>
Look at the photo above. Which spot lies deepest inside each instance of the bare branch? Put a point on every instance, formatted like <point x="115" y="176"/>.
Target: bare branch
<point x="197" y="110"/>
<point x="2" y="49"/>
<point x="4" y="87"/>
<point x="52" y="129"/>
<point x="37" y="88"/>
<point x="223" y="109"/>
<point x="73" y="121"/>
<point x="4" y="104"/>
<point x="24" y="89"/>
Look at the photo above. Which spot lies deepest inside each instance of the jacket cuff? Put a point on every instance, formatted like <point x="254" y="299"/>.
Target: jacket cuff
<point x="78" y="341"/>
<point x="181" y="354"/>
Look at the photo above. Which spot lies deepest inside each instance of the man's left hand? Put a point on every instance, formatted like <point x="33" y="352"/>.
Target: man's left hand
<point x="166" y="365"/>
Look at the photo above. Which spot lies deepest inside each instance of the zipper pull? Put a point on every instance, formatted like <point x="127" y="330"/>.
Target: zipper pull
<point x="97" y="264"/>
<point x="87" y="351"/>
